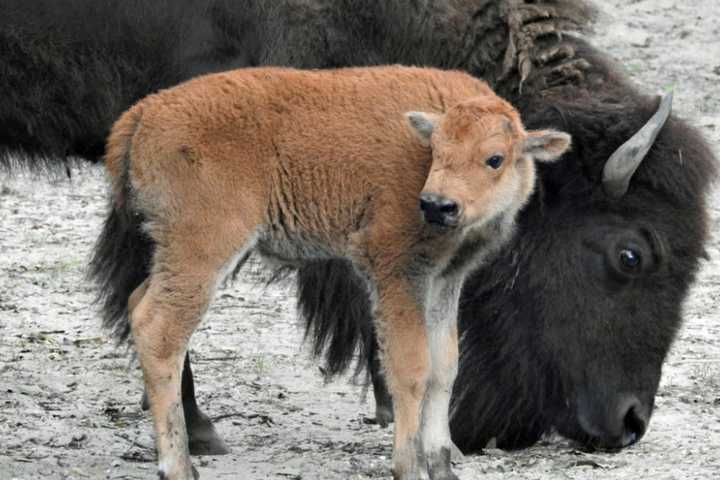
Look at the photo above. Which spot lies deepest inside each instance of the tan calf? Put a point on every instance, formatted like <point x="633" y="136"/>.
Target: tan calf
<point x="301" y="165"/>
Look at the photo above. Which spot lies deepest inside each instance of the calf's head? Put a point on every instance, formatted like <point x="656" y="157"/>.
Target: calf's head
<point x="482" y="161"/>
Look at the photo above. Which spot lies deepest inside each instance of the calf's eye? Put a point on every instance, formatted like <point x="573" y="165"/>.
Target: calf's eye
<point x="630" y="258"/>
<point x="494" y="162"/>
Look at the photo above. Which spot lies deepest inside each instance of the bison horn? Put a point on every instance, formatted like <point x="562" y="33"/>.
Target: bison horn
<point x="622" y="164"/>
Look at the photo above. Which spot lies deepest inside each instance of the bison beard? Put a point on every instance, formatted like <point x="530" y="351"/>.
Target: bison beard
<point x="537" y="349"/>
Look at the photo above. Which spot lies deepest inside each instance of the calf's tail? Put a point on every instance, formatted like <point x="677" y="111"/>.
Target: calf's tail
<point x="123" y="252"/>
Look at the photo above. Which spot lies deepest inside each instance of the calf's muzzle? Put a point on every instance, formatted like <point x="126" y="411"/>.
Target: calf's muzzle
<point x="438" y="210"/>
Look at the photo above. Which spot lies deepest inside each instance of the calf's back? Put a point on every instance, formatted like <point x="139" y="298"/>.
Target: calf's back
<point x="272" y="139"/>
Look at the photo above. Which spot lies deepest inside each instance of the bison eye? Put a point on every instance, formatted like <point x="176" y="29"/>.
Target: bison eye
<point x="630" y="258"/>
<point x="494" y="162"/>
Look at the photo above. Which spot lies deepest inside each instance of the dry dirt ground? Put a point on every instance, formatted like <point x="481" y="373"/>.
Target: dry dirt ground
<point x="69" y="400"/>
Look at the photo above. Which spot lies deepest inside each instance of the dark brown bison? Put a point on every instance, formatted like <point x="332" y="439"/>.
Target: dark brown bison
<point x="567" y="330"/>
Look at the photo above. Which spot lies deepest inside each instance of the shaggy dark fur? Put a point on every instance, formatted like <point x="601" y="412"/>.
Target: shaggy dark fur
<point x="69" y="68"/>
<point x="556" y="329"/>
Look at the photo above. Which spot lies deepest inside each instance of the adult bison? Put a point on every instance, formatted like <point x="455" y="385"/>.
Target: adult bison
<point x="568" y="329"/>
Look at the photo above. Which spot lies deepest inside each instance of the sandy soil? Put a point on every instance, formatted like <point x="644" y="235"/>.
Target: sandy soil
<point x="69" y="400"/>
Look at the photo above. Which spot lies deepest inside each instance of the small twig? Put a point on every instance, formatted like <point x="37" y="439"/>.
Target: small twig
<point x="130" y="457"/>
<point x="216" y="359"/>
<point x="133" y="442"/>
<point x="228" y="415"/>
<point x="264" y="418"/>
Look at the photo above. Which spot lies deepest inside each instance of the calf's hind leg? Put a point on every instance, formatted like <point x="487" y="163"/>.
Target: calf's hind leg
<point x="183" y="278"/>
<point x="203" y="439"/>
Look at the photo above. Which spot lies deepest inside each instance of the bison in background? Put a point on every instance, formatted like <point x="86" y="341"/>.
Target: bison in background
<point x="568" y="329"/>
<point x="69" y="68"/>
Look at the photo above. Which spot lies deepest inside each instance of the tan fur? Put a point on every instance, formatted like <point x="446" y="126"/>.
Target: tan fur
<point x="117" y="149"/>
<point x="465" y="137"/>
<point x="404" y="342"/>
<point x="302" y="165"/>
<point x="137" y="295"/>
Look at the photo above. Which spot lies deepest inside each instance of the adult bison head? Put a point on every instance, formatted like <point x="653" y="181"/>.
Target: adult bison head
<point x="569" y="328"/>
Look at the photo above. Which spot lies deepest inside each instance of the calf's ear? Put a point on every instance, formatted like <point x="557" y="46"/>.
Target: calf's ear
<point x="546" y="145"/>
<point x="422" y="124"/>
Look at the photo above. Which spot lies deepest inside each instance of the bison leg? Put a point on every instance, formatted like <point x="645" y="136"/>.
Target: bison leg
<point x="441" y="318"/>
<point x="202" y="437"/>
<point x="383" y="400"/>
<point x="160" y="343"/>
<point x="183" y="277"/>
<point x="401" y="331"/>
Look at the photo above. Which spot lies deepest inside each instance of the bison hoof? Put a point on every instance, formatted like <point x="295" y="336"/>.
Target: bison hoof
<point x="384" y="416"/>
<point x="204" y="440"/>
<point x="456" y="455"/>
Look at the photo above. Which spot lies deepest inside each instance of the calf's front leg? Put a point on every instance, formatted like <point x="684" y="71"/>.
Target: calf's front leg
<point x="403" y="341"/>
<point x="441" y="318"/>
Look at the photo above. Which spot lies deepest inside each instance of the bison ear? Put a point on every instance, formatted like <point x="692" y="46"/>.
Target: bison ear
<point x="546" y="145"/>
<point x="422" y="124"/>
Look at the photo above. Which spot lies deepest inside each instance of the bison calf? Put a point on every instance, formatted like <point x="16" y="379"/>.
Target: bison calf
<point x="300" y="166"/>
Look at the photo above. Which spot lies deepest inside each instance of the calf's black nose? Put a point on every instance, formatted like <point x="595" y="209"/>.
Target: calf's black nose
<point x="439" y="210"/>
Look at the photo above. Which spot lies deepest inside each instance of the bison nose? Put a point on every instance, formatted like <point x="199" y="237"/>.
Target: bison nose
<point x="634" y="420"/>
<point x="439" y="210"/>
<point x="618" y="426"/>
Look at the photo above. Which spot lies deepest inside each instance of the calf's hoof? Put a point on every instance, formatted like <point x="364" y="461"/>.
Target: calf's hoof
<point x="195" y="475"/>
<point x="439" y="465"/>
<point x="414" y="472"/>
<point x="444" y="475"/>
<point x="411" y="476"/>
